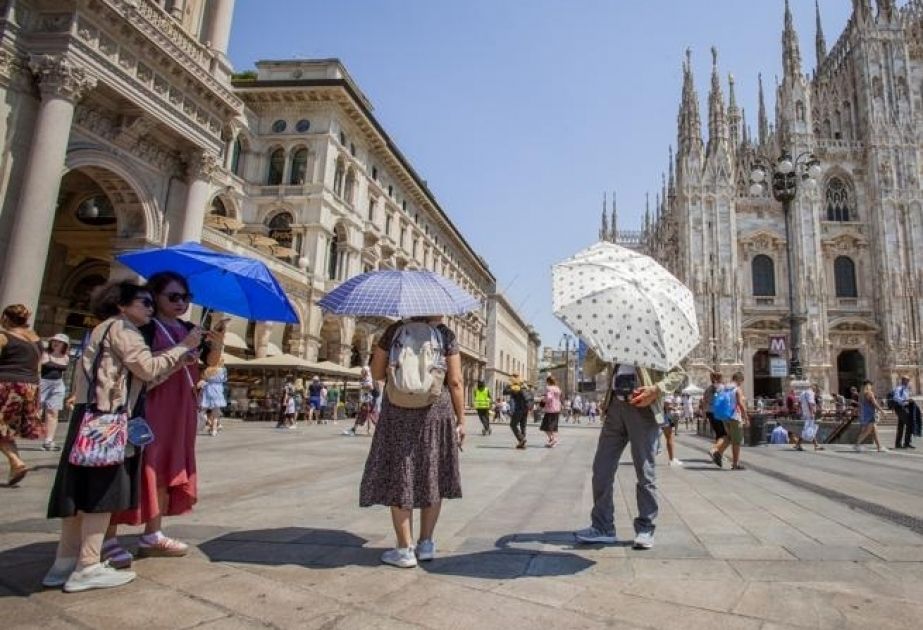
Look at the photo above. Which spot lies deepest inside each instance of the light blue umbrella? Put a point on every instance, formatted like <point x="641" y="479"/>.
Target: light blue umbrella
<point x="399" y="294"/>
<point x="221" y="282"/>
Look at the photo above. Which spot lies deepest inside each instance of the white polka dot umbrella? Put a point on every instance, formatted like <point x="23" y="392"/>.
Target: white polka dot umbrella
<point x="626" y="306"/>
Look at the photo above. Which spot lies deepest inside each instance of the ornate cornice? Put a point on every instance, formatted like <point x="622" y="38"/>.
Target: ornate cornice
<point x="60" y="78"/>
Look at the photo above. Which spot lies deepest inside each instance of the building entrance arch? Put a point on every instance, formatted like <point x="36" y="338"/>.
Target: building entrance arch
<point x="764" y="384"/>
<point x="850" y="369"/>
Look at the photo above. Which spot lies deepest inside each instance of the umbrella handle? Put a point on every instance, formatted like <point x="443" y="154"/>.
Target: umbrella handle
<point x="205" y="313"/>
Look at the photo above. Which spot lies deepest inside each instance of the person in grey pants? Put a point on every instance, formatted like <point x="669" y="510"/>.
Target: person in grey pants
<point x="633" y="414"/>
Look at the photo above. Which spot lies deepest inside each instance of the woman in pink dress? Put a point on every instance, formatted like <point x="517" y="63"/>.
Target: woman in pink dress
<point x="552" y="401"/>
<point x="168" y="469"/>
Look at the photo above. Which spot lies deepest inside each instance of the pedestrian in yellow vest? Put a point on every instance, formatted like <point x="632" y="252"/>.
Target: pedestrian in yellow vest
<point x="482" y="404"/>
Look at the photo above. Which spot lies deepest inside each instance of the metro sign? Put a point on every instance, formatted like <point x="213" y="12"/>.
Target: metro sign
<point x="777" y="345"/>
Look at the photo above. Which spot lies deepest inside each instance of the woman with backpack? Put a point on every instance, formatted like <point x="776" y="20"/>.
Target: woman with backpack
<point x="413" y="460"/>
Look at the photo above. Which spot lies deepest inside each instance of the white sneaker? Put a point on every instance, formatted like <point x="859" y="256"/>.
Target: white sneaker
<point x="59" y="572"/>
<point x="591" y="535"/>
<point x="99" y="575"/>
<point x="676" y="462"/>
<point x="400" y="557"/>
<point x="644" y="540"/>
<point x="859" y="448"/>
<point x="426" y="549"/>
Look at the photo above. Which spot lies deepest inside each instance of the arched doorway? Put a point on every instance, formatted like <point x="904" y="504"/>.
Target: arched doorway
<point x="98" y="212"/>
<point x="764" y="384"/>
<point x="850" y="368"/>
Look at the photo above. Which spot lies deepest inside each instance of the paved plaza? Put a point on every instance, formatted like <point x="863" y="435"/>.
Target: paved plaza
<point x="827" y="540"/>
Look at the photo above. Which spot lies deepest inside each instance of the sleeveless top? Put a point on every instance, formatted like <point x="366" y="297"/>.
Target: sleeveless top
<point x="866" y="409"/>
<point x="19" y="360"/>
<point x="53" y="367"/>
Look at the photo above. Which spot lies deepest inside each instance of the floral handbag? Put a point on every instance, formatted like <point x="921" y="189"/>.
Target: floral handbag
<point x="102" y="436"/>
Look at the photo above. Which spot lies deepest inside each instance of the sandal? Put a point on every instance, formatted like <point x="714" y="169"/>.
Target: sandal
<point x="16" y="475"/>
<point x="116" y="555"/>
<point x="163" y="548"/>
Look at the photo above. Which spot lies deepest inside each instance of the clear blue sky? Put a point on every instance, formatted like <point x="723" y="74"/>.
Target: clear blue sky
<point x="520" y="113"/>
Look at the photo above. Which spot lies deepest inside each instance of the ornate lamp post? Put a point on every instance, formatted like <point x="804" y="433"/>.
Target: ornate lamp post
<point x="566" y="338"/>
<point x="787" y="176"/>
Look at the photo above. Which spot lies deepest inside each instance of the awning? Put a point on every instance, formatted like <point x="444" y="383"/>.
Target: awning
<point x="229" y="360"/>
<point x="272" y="350"/>
<point x="289" y="362"/>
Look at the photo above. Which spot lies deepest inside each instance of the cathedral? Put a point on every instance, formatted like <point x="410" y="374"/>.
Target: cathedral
<point x="829" y="260"/>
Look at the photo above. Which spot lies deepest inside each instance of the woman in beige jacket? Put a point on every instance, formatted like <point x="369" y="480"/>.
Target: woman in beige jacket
<point x="116" y="363"/>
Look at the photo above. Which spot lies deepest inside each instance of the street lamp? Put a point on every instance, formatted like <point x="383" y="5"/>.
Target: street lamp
<point x="566" y="339"/>
<point x="787" y="176"/>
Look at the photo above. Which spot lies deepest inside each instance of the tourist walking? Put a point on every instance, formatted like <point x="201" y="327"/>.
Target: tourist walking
<point x="212" y="398"/>
<point x="519" y="409"/>
<point x="552" y="401"/>
<point x="169" y="481"/>
<point x="716" y="382"/>
<point x="115" y="365"/>
<point x="809" y="412"/>
<point x="52" y="391"/>
<point x="735" y="424"/>
<point x="902" y="407"/>
<point x="314" y="391"/>
<point x="688" y="409"/>
<point x="413" y="461"/>
<point x="333" y="401"/>
<point x="287" y="406"/>
<point x="668" y="427"/>
<point x="633" y="412"/>
<point x="20" y="416"/>
<point x="869" y="411"/>
<point x="366" y="402"/>
<point x="483" y="401"/>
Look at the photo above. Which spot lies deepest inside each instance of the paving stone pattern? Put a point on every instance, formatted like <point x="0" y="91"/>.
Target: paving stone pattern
<point x="280" y="542"/>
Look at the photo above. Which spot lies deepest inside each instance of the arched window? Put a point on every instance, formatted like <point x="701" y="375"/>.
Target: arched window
<point x="764" y="276"/>
<point x="299" y="167"/>
<point x="338" y="175"/>
<point x="218" y="208"/>
<point x="280" y="228"/>
<point x="844" y="274"/>
<point x="276" y="167"/>
<point x="235" y="157"/>
<point x="837" y="200"/>
<point x="333" y="254"/>
<point x="350" y="188"/>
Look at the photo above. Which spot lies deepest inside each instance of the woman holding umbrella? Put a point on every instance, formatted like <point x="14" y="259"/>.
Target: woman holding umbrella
<point x="168" y="475"/>
<point x="413" y="461"/>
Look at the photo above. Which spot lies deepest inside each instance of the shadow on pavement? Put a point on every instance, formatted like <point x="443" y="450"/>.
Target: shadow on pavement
<point x="22" y="568"/>
<point x="515" y="556"/>
<point x="320" y="548"/>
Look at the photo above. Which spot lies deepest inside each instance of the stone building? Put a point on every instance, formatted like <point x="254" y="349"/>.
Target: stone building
<point x="857" y="275"/>
<point x="124" y="129"/>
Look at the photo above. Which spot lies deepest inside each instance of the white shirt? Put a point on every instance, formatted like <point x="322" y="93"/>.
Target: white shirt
<point x="779" y="435"/>
<point x="807" y="399"/>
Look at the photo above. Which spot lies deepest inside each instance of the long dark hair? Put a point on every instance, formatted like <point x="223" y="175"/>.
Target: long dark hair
<point x="107" y="299"/>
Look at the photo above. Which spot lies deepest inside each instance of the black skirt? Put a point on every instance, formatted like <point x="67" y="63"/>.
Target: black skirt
<point x="550" y="422"/>
<point x="93" y="490"/>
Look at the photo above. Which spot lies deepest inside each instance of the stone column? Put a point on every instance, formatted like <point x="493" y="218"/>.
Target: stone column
<point x="201" y="166"/>
<point x="218" y="32"/>
<point x="61" y="84"/>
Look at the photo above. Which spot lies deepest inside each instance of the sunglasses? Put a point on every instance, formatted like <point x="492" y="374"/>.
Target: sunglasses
<point x="179" y="297"/>
<point x="146" y="302"/>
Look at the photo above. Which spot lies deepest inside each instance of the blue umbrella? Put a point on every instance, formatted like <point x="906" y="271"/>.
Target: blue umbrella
<point x="399" y="294"/>
<point x="222" y="282"/>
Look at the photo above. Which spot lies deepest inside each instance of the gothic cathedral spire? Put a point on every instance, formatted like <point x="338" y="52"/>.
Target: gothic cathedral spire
<point x="820" y="42"/>
<point x="689" y="123"/>
<point x="791" y="53"/>
<point x="615" y="224"/>
<point x="717" y="121"/>
<point x="604" y="228"/>
<point x="763" y="123"/>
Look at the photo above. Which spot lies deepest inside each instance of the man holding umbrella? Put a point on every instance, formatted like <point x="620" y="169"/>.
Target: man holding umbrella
<point x="640" y="322"/>
<point x="632" y="415"/>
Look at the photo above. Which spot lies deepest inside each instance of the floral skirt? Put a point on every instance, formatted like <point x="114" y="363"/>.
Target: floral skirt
<point x="20" y="411"/>
<point x="413" y="460"/>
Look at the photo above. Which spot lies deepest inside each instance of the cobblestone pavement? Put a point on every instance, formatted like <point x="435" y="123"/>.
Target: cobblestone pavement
<point x="816" y="540"/>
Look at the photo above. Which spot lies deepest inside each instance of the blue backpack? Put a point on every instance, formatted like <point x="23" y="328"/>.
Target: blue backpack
<point x="724" y="403"/>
